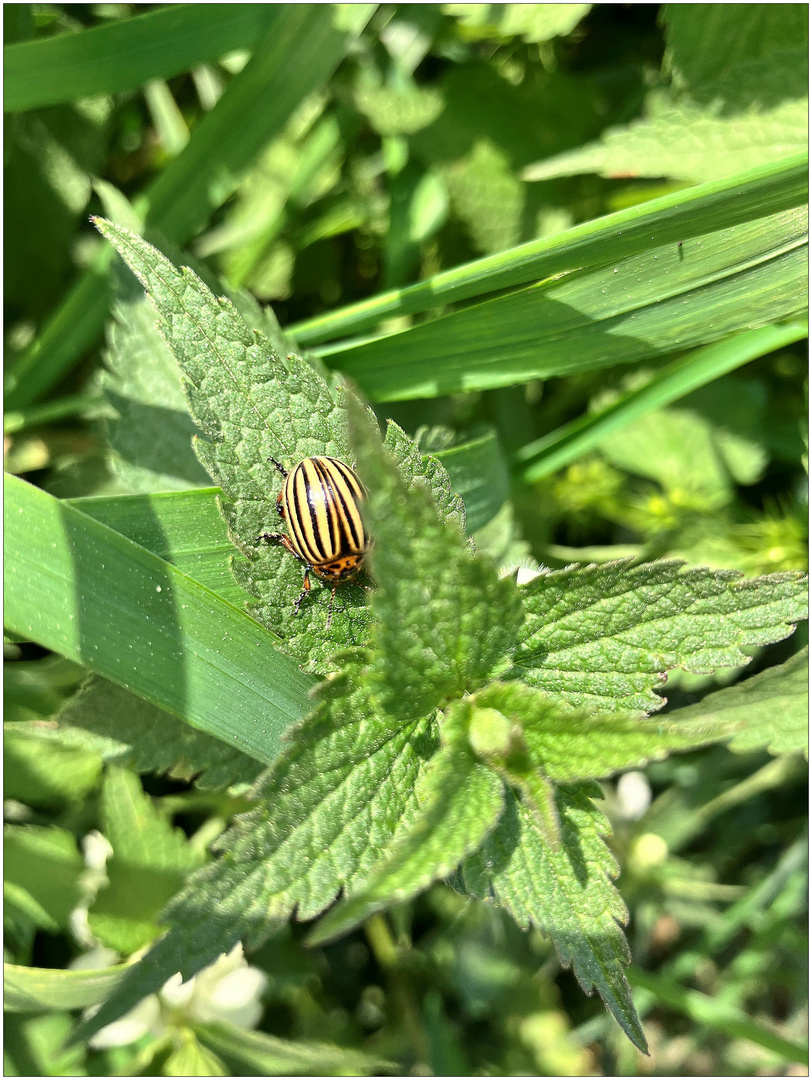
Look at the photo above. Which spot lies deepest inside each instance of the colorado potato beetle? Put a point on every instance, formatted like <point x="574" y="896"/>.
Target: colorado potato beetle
<point x="320" y="500"/>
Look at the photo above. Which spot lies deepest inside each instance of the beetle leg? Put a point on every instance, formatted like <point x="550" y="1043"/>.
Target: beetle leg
<point x="271" y="538"/>
<point x="280" y="538"/>
<point x="280" y="467"/>
<point x="305" y="591"/>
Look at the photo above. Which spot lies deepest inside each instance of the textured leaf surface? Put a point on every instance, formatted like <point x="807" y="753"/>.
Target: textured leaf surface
<point x="739" y="97"/>
<point x="603" y="636"/>
<point x="444" y="620"/>
<point x="460" y="802"/>
<point x="326" y="812"/>
<point x="687" y="142"/>
<point x="771" y="709"/>
<point x="566" y="892"/>
<point x="151" y="437"/>
<point x="570" y="745"/>
<point x="253" y="402"/>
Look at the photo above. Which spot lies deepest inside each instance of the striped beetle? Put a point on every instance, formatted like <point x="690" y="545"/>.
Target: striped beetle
<point x="320" y="501"/>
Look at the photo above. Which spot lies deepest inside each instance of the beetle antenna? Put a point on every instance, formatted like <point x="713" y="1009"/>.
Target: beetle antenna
<point x="280" y="467"/>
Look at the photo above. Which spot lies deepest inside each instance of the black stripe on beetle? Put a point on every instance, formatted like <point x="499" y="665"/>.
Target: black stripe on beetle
<point x="321" y="501"/>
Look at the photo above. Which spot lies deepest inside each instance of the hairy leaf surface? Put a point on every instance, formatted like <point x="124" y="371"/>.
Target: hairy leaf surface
<point x="603" y="636"/>
<point x="566" y="892"/>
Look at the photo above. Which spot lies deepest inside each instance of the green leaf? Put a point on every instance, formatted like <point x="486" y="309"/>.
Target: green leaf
<point x="123" y="54"/>
<point x="326" y="813"/>
<point x="461" y="801"/>
<point x="397" y="109"/>
<point x="683" y="451"/>
<point x="720" y="1016"/>
<point x="125" y="729"/>
<point x="185" y="529"/>
<point x="478" y="473"/>
<point x="294" y="58"/>
<point x="765" y="54"/>
<point x="265" y="1055"/>
<point x="42" y="864"/>
<point x="87" y="592"/>
<point x="574" y="745"/>
<point x="602" y="636"/>
<point x="46" y="776"/>
<point x="27" y="989"/>
<point x="149" y="863"/>
<point x="676" y="217"/>
<point x="671" y="382"/>
<point x="532" y="22"/>
<point x="566" y="891"/>
<point x="192" y="1059"/>
<point x="444" y="622"/>
<point x="252" y="403"/>
<point x="35" y="1046"/>
<point x="730" y="108"/>
<point x="649" y="304"/>
<point x="151" y="437"/>
<point x="296" y="55"/>
<point x="771" y="708"/>
<point x="687" y="142"/>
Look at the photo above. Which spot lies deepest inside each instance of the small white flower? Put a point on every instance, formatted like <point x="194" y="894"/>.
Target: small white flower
<point x="633" y="796"/>
<point x="144" y="1019"/>
<point x="229" y="989"/>
<point x="97" y="850"/>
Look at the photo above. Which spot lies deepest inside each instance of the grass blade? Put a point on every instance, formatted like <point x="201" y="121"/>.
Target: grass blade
<point x="546" y="455"/>
<point x="83" y="590"/>
<point x="124" y="54"/>
<point x="673" y="218"/>
<point x="303" y="47"/>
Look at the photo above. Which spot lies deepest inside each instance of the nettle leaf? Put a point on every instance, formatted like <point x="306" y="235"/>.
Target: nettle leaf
<point x="254" y="401"/>
<point x="251" y="402"/>
<point x="603" y="636"/>
<point x="461" y="801"/>
<point x="128" y="730"/>
<point x="566" y="891"/>
<point x="444" y="621"/>
<point x="326" y="813"/>
<point x="151" y="438"/>
<point x="771" y="709"/>
<point x="572" y="744"/>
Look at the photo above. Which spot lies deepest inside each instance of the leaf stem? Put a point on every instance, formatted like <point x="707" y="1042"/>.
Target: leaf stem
<point x="387" y="954"/>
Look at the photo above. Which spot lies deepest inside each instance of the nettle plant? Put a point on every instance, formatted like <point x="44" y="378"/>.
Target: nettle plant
<point x="462" y="722"/>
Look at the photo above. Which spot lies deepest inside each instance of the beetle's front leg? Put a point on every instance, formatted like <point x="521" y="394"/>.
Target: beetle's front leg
<point x="279" y="538"/>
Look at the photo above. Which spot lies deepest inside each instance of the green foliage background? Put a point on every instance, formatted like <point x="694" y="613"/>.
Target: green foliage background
<point x="564" y="248"/>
